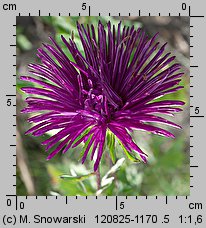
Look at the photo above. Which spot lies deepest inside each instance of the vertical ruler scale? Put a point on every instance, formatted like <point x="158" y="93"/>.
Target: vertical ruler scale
<point x="197" y="108"/>
<point x="109" y="211"/>
<point x="8" y="87"/>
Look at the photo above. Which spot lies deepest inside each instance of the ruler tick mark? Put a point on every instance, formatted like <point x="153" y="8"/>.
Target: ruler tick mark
<point x="16" y="202"/>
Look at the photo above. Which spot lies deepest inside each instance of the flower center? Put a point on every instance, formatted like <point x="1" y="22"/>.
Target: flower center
<point x="97" y="103"/>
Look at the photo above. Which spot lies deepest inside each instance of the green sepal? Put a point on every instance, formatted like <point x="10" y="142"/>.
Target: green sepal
<point x="130" y="155"/>
<point x="111" y="146"/>
<point x="85" y="147"/>
<point x="82" y="135"/>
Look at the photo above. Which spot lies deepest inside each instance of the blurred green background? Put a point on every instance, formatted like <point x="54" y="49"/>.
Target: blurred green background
<point x="167" y="172"/>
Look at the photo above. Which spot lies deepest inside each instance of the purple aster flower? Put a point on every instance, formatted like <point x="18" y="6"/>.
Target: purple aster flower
<point x="111" y="87"/>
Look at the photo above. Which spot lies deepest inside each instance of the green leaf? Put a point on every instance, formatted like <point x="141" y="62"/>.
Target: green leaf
<point x="105" y="186"/>
<point x="111" y="146"/>
<point x="116" y="166"/>
<point x="130" y="155"/>
<point x="106" y="179"/>
<point x="76" y="178"/>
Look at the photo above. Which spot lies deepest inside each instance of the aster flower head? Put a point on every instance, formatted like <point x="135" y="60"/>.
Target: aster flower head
<point x="112" y="88"/>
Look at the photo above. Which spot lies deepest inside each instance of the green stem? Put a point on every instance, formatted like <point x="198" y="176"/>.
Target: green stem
<point x="98" y="179"/>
